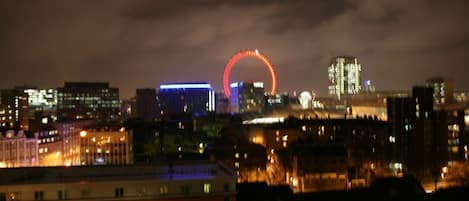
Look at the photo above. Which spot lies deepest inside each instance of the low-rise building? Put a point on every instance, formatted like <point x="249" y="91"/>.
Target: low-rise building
<point x="181" y="181"/>
<point x="17" y="150"/>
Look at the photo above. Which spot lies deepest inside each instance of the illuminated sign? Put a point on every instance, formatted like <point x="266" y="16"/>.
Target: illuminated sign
<point x="185" y="86"/>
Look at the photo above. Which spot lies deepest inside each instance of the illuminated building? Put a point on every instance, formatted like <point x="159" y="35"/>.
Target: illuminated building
<point x="418" y="138"/>
<point x="247" y="97"/>
<point x="179" y="181"/>
<point x="344" y="76"/>
<point x="17" y="101"/>
<point x="186" y="98"/>
<point x="442" y="90"/>
<point x="363" y="139"/>
<point x="401" y="113"/>
<point x="368" y="87"/>
<point x="248" y="160"/>
<point x="461" y="96"/>
<point x="306" y="100"/>
<point x="277" y="101"/>
<point x="49" y="147"/>
<point x="41" y="100"/>
<point x="313" y="167"/>
<point x="97" y="147"/>
<point x="424" y="150"/>
<point x="452" y="135"/>
<point x="7" y="116"/>
<point x="127" y="108"/>
<point x="17" y="150"/>
<point x="146" y="104"/>
<point x="82" y="100"/>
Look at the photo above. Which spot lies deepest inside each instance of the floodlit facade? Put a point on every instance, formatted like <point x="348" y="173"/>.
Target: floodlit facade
<point x="97" y="147"/>
<point x="49" y="147"/>
<point x="344" y="76"/>
<point x="188" y="181"/>
<point x="17" y="150"/>
<point x="183" y="98"/>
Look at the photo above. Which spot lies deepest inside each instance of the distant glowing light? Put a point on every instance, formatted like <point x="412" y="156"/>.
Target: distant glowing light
<point x="242" y="54"/>
<point x="234" y="85"/>
<point x="185" y="86"/>
<point x="258" y="84"/>
<point x="265" y="120"/>
<point x="83" y="133"/>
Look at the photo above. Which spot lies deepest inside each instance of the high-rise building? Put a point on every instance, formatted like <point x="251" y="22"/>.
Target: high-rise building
<point x="146" y="104"/>
<point x="82" y="100"/>
<point x="247" y="97"/>
<point x="42" y="106"/>
<point x="419" y="135"/>
<point x="17" y="101"/>
<point x="344" y="76"/>
<point x="44" y="100"/>
<point x="186" y="98"/>
<point x="442" y="90"/>
<point x="401" y="113"/>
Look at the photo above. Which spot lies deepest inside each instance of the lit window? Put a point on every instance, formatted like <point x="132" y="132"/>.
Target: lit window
<point x="13" y="196"/>
<point x="207" y="188"/>
<point x="163" y="189"/>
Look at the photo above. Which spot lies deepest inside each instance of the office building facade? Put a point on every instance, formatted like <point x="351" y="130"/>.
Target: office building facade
<point x="17" y="101"/>
<point x="247" y="97"/>
<point x="344" y="76"/>
<point x="82" y="100"/>
<point x="186" y="98"/>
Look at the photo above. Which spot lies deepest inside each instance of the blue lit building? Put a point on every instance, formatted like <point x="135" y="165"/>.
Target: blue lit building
<point x="186" y="98"/>
<point x="247" y="97"/>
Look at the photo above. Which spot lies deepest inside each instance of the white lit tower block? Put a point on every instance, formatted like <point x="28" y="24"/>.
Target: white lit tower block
<point x="344" y="76"/>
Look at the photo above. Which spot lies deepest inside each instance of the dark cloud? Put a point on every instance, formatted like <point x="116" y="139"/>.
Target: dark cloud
<point x="134" y="44"/>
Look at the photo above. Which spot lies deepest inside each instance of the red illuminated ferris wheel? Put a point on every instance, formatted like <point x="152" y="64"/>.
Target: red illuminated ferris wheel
<point x="243" y="54"/>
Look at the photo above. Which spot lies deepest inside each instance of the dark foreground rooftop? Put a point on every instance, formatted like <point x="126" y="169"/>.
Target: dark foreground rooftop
<point x="383" y="189"/>
<point x="174" y="171"/>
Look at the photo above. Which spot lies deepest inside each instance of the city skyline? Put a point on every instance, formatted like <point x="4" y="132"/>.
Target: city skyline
<point x="140" y="44"/>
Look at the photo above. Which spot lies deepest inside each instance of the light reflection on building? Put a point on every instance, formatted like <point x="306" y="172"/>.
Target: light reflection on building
<point x="17" y="150"/>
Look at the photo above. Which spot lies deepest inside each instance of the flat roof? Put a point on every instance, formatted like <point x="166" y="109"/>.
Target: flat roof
<point x="190" y="170"/>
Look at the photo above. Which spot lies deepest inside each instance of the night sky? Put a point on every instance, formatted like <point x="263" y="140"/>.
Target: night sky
<point x="139" y="44"/>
